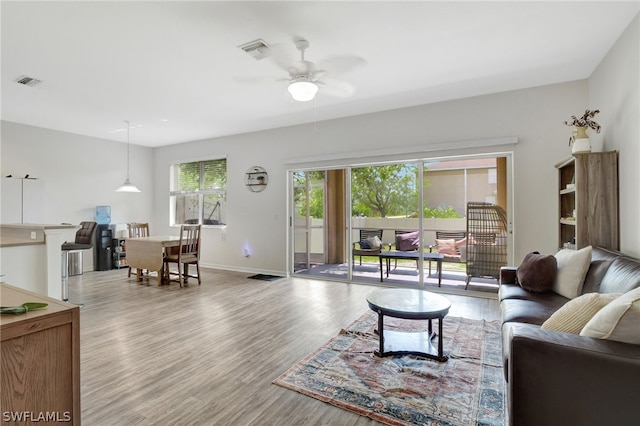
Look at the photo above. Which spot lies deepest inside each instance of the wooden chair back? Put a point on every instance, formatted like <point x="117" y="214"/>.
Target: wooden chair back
<point x="190" y="240"/>
<point x="368" y="233"/>
<point x="137" y="230"/>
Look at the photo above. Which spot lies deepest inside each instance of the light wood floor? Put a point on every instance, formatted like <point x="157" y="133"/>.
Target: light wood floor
<point x="206" y="355"/>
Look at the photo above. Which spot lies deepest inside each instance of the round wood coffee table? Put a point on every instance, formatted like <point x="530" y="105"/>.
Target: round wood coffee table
<point x="409" y="304"/>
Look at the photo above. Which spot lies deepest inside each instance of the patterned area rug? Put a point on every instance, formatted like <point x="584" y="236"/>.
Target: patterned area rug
<point x="468" y="389"/>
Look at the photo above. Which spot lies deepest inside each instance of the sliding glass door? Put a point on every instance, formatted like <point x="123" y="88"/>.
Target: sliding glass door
<point x="346" y="221"/>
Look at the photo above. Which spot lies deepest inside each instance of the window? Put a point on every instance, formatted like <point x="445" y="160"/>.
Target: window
<point x="198" y="192"/>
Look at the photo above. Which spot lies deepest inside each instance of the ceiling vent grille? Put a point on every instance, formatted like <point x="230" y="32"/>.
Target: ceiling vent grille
<point x="27" y="81"/>
<point x="258" y="49"/>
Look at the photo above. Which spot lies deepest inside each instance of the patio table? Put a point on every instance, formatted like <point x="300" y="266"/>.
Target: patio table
<point x="396" y="254"/>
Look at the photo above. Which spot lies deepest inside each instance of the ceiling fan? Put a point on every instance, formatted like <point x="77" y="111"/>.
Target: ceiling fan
<point x="306" y="77"/>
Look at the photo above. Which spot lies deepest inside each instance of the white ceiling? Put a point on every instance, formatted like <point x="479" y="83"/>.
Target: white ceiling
<point x="175" y="71"/>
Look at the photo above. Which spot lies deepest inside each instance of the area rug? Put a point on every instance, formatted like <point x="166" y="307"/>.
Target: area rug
<point x="468" y="389"/>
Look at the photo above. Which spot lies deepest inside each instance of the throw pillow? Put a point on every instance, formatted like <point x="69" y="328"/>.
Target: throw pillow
<point x="364" y="245"/>
<point x="576" y="313"/>
<point x="446" y="247"/>
<point x="619" y="320"/>
<point x="537" y="272"/>
<point x="408" y="241"/>
<point x="572" y="269"/>
<point x="374" y="242"/>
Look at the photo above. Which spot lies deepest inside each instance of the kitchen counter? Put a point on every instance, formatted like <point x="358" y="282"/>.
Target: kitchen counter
<point x="30" y="255"/>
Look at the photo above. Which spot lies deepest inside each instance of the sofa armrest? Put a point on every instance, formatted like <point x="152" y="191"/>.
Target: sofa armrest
<point x="566" y="379"/>
<point x="508" y="275"/>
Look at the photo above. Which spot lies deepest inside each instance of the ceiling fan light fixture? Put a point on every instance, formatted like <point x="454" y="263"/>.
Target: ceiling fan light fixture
<point x="302" y="89"/>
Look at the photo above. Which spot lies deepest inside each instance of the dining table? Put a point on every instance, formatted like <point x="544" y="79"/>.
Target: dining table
<point x="147" y="253"/>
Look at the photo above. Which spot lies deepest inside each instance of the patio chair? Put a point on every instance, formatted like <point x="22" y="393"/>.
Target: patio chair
<point x="486" y="240"/>
<point x="367" y="245"/>
<point x="450" y="244"/>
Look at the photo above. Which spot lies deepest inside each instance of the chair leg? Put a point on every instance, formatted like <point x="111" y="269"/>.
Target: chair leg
<point x="467" y="283"/>
<point x="198" y="271"/>
<point x="129" y="274"/>
<point x="179" y="274"/>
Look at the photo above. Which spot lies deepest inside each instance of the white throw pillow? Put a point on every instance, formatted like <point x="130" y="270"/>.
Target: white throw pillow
<point x="576" y="313"/>
<point x="572" y="269"/>
<point x="619" y="320"/>
<point x="374" y="242"/>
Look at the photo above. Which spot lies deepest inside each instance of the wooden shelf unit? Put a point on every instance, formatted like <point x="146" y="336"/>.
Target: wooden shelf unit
<point x="588" y="200"/>
<point x="119" y="253"/>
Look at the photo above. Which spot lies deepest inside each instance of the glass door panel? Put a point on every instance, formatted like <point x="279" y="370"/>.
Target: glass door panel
<point x="308" y="220"/>
<point x="384" y="203"/>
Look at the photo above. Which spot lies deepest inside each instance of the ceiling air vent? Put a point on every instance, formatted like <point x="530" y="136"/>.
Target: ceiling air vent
<point x="258" y="49"/>
<point x="27" y="81"/>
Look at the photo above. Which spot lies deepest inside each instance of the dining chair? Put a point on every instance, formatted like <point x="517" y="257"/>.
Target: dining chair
<point x="137" y="230"/>
<point x="188" y="253"/>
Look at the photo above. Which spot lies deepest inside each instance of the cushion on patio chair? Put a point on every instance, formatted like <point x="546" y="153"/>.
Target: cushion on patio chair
<point x="408" y="241"/>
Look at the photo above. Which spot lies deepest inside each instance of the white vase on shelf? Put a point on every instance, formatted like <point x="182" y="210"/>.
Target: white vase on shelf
<point x="580" y="141"/>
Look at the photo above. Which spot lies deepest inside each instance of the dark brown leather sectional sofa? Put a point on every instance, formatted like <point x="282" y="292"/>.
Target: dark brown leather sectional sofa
<point x="565" y="379"/>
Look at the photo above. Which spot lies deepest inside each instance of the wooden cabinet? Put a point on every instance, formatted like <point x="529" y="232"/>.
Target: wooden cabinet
<point x="588" y="201"/>
<point x="40" y="360"/>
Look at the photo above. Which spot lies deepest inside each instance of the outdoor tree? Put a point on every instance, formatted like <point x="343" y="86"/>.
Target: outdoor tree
<point x="384" y="190"/>
<point x="308" y="189"/>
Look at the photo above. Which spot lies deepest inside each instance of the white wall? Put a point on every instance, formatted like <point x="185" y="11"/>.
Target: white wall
<point x="259" y="220"/>
<point x="79" y="173"/>
<point x="614" y="89"/>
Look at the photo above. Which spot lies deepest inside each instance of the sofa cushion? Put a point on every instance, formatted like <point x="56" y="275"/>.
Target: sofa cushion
<point x="576" y="313"/>
<point x="514" y="291"/>
<point x="537" y="272"/>
<point x="531" y="311"/>
<point x="572" y="270"/>
<point x="618" y="321"/>
<point x="623" y="275"/>
<point x="601" y="259"/>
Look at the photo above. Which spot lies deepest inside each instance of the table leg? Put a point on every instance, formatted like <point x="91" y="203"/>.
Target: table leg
<point x="381" y="273"/>
<point x="388" y="265"/>
<point x="381" y="333"/>
<point x="439" y="272"/>
<point x="440" y="349"/>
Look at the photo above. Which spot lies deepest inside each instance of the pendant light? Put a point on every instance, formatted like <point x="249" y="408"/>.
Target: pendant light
<point x="127" y="186"/>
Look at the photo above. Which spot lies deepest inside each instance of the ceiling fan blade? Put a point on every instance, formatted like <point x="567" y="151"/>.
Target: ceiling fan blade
<point x="338" y="64"/>
<point x="333" y="87"/>
<point x="258" y="80"/>
<point x="282" y="55"/>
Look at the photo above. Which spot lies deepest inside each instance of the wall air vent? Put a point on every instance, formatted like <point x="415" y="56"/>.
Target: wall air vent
<point x="27" y="81"/>
<point x="258" y="49"/>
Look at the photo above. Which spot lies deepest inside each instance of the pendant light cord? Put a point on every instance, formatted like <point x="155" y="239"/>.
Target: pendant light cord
<point x="128" y="144"/>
